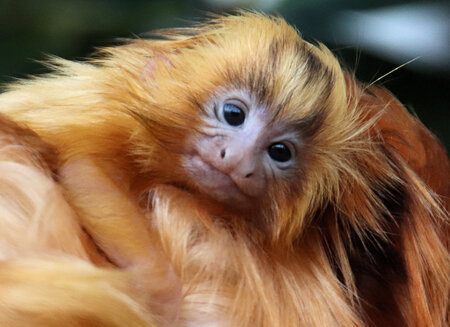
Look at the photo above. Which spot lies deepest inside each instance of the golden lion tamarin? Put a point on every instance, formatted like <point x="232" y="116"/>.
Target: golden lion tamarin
<point x="230" y="174"/>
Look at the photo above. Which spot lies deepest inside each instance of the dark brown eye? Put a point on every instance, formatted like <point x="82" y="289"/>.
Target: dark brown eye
<point x="279" y="152"/>
<point x="234" y="115"/>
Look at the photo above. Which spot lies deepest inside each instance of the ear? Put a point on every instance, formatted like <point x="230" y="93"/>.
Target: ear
<point x="423" y="221"/>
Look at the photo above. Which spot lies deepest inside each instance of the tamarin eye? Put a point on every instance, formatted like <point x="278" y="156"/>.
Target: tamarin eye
<point x="234" y="115"/>
<point x="279" y="152"/>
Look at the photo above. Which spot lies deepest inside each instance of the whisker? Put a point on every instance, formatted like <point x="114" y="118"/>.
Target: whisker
<point x="393" y="70"/>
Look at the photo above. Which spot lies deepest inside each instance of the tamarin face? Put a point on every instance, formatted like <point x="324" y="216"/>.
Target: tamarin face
<point x="241" y="149"/>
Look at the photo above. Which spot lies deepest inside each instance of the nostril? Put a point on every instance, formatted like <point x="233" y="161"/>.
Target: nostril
<point x="249" y="175"/>
<point x="223" y="153"/>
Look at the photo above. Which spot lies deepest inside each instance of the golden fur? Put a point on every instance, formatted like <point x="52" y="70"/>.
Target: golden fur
<point x="357" y="240"/>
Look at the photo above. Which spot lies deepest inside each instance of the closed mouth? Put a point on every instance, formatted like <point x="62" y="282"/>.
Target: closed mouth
<point x="212" y="180"/>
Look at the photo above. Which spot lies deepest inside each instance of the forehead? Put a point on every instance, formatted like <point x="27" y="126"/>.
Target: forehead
<point x="277" y="67"/>
<point x="283" y="73"/>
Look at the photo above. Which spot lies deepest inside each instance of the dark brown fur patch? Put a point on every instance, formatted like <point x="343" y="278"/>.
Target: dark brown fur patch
<point x="313" y="64"/>
<point x="309" y="126"/>
<point x="318" y="73"/>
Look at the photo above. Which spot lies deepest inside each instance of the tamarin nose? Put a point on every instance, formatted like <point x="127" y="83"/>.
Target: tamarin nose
<point x="239" y="163"/>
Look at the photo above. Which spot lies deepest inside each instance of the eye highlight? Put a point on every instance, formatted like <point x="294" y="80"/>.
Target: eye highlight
<point x="233" y="114"/>
<point x="279" y="152"/>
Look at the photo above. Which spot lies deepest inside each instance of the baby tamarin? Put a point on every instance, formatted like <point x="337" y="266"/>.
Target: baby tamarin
<point x="240" y="162"/>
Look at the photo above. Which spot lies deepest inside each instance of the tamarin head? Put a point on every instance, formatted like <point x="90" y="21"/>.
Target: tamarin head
<point x="247" y="114"/>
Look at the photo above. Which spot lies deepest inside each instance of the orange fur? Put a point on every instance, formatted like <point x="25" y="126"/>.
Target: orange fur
<point x="356" y="238"/>
<point x="45" y="275"/>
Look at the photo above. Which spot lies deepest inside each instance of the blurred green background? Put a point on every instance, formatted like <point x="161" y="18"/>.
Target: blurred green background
<point x="371" y="37"/>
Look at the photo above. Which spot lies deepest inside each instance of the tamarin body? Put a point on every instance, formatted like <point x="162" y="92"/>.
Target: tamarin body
<point x="231" y="174"/>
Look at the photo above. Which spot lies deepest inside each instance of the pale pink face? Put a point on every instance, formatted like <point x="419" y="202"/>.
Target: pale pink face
<point x="240" y="150"/>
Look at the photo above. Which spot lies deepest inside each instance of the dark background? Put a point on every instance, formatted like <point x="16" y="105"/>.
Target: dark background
<point x="404" y="30"/>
